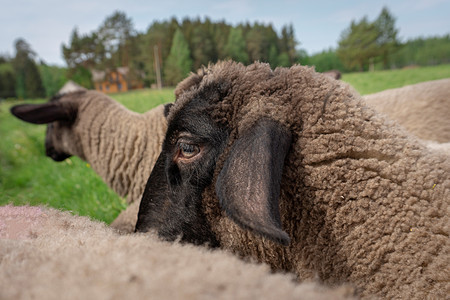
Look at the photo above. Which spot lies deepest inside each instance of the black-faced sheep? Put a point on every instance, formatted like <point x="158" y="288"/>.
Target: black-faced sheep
<point x="120" y="145"/>
<point x="49" y="254"/>
<point x="292" y="168"/>
<point x="422" y="108"/>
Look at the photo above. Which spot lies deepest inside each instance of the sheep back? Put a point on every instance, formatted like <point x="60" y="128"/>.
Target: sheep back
<point x="422" y="108"/>
<point x="120" y="145"/>
<point x="46" y="253"/>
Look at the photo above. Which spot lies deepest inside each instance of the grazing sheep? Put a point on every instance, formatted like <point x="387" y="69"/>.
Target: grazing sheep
<point x="120" y="145"/>
<point x="70" y="87"/>
<point x="422" y="108"/>
<point x="49" y="254"/>
<point x="292" y="168"/>
<point x="335" y="74"/>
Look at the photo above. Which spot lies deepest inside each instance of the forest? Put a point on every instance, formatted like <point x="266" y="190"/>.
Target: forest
<point x="173" y="48"/>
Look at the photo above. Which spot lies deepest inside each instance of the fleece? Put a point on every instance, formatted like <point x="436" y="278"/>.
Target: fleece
<point x="362" y="200"/>
<point x="120" y="145"/>
<point x="50" y="254"/>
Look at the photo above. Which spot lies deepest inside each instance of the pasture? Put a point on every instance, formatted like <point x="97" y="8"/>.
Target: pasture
<point x="27" y="176"/>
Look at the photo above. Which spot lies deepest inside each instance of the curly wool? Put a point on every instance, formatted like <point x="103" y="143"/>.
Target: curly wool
<point x="120" y="145"/>
<point x="362" y="201"/>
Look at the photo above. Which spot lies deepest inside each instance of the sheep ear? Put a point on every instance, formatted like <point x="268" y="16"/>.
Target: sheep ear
<point x="248" y="186"/>
<point x="41" y="113"/>
<point x="167" y="108"/>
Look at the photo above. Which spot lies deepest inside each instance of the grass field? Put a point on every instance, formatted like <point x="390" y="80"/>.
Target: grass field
<point x="27" y="176"/>
<point x="372" y="82"/>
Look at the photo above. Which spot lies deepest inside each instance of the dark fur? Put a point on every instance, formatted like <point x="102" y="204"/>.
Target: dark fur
<point x="248" y="186"/>
<point x="173" y="203"/>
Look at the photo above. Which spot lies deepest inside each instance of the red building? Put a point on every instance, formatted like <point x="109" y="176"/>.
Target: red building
<point x="114" y="81"/>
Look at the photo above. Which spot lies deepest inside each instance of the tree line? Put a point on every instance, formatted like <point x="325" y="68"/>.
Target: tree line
<point x="179" y="47"/>
<point x="374" y="45"/>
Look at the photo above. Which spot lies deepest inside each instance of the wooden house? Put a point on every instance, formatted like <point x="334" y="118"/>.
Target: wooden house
<point x="114" y="81"/>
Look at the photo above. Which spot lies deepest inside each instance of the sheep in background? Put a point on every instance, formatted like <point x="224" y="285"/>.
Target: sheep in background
<point x="70" y="87"/>
<point x="335" y="74"/>
<point x="49" y="254"/>
<point x="292" y="168"/>
<point x="422" y="108"/>
<point x="442" y="147"/>
<point x="120" y="145"/>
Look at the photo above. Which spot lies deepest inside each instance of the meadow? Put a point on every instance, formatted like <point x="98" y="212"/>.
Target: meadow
<point x="372" y="82"/>
<point x="27" y="176"/>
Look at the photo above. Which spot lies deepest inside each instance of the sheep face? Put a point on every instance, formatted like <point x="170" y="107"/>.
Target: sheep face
<point x="247" y="188"/>
<point x="57" y="137"/>
<point x="172" y="198"/>
<point x="60" y="118"/>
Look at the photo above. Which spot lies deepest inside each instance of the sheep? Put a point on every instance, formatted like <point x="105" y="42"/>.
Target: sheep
<point x="120" y="145"/>
<point x="335" y="74"/>
<point x="70" y="87"/>
<point x="421" y="108"/>
<point x="50" y="254"/>
<point x="442" y="147"/>
<point x="290" y="167"/>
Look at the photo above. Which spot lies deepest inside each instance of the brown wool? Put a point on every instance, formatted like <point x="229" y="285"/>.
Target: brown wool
<point x="362" y="200"/>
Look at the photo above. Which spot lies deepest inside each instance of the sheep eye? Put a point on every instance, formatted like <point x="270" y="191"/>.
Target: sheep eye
<point x="188" y="150"/>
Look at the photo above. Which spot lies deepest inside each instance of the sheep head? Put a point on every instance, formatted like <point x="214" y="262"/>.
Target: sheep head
<point x="248" y="182"/>
<point x="59" y="115"/>
<point x="297" y="157"/>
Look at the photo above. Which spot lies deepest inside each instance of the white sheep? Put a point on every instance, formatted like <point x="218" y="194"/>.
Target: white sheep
<point x="422" y="108"/>
<point x="441" y="147"/>
<point x="292" y="168"/>
<point x="70" y="87"/>
<point x="49" y="254"/>
<point x="120" y="145"/>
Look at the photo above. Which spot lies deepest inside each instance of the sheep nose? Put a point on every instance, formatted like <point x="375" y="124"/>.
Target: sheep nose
<point x="55" y="155"/>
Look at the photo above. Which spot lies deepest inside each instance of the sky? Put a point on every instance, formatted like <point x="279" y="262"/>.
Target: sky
<point x="47" y="24"/>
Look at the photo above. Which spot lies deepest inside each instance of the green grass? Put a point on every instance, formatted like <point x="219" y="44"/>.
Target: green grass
<point x="27" y="176"/>
<point x="6" y="67"/>
<point x="142" y="100"/>
<point x="372" y="82"/>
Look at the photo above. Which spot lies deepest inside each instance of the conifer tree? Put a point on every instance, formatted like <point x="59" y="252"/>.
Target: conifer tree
<point x="179" y="61"/>
<point x="28" y="79"/>
<point x="273" y="56"/>
<point x="33" y="81"/>
<point x="358" y="44"/>
<point x="236" y="47"/>
<point x="7" y="84"/>
<point x="387" y="40"/>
